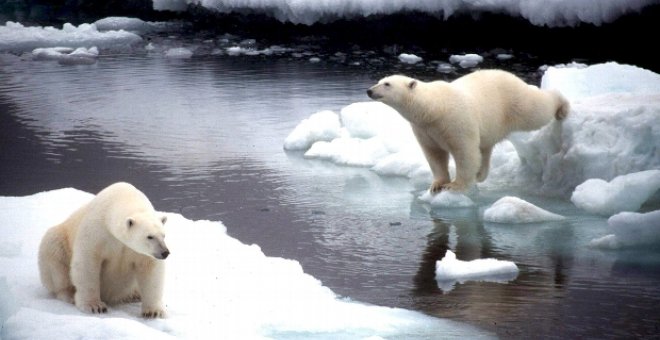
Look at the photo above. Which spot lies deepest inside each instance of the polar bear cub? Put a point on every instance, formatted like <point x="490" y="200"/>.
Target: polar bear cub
<point x="108" y="251"/>
<point x="467" y="117"/>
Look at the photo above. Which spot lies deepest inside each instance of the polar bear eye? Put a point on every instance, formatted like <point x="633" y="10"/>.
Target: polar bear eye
<point x="387" y="84"/>
<point x="150" y="237"/>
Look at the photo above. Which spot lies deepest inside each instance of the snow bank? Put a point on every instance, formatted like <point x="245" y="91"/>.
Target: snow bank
<point x="216" y="287"/>
<point x="450" y="270"/>
<point x="515" y="210"/>
<point x="15" y="37"/>
<point x="630" y="229"/>
<point x="623" y="193"/>
<point x="613" y="129"/>
<point x="554" y="13"/>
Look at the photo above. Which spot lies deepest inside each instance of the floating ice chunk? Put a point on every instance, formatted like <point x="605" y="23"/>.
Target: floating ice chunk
<point x="251" y="51"/>
<point x="445" y="68"/>
<point x="66" y="55"/>
<point x="510" y="209"/>
<point x="321" y="126"/>
<point x="409" y="58"/>
<point x="447" y="199"/>
<point x="179" y="53"/>
<point x="19" y="38"/>
<point x="623" y="193"/>
<point x="314" y="60"/>
<point x="123" y="23"/>
<point x="50" y="53"/>
<point x="630" y="229"/>
<point x="450" y="270"/>
<point x="504" y="56"/>
<point x="466" y="60"/>
<point x="236" y="50"/>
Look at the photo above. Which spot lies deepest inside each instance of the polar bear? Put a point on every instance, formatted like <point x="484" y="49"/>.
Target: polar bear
<point x="108" y="251"/>
<point x="467" y="117"/>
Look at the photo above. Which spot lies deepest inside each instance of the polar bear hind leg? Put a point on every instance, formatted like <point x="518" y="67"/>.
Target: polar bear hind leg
<point x="54" y="257"/>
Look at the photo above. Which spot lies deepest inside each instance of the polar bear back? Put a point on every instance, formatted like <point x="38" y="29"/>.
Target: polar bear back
<point x="502" y="103"/>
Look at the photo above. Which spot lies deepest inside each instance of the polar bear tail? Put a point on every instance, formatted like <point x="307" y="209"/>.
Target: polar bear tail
<point x="563" y="108"/>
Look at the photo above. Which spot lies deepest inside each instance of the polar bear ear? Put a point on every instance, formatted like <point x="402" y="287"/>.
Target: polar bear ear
<point x="163" y="219"/>
<point x="130" y="222"/>
<point x="412" y="84"/>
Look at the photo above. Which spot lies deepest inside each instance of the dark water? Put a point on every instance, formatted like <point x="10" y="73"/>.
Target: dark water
<point x="203" y="137"/>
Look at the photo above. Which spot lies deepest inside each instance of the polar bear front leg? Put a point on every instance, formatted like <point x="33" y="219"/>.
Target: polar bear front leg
<point x="437" y="158"/>
<point x="86" y="277"/>
<point x="150" y="282"/>
<point x="468" y="161"/>
<point x="485" y="163"/>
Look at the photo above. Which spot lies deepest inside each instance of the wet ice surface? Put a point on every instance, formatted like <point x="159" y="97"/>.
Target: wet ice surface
<point x="183" y="132"/>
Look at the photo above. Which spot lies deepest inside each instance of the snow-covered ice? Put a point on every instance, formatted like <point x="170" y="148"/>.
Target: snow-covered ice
<point x="215" y="287"/>
<point x="630" y="230"/>
<point x="14" y="37"/>
<point x="409" y="58"/>
<point x="466" y="60"/>
<point x="447" y="199"/>
<point x="613" y="127"/>
<point x="450" y="270"/>
<point x="623" y="193"/>
<point x="511" y="209"/>
<point x="550" y="13"/>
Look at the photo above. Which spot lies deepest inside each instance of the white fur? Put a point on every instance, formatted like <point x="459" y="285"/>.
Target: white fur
<point x="108" y="251"/>
<point x="467" y="117"/>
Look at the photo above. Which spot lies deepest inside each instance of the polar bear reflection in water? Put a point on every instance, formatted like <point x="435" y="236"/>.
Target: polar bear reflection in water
<point x="467" y="117"/>
<point x="108" y="251"/>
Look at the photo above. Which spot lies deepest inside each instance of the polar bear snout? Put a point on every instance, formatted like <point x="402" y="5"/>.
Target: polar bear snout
<point x="373" y="95"/>
<point x="164" y="254"/>
<point x="161" y="252"/>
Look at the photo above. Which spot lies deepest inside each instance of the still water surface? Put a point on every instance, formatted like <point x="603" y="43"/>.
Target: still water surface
<point x="203" y="137"/>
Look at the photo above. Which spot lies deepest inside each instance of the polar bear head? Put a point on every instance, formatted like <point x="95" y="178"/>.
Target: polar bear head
<point x="393" y="90"/>
<point x="144" y="233"/>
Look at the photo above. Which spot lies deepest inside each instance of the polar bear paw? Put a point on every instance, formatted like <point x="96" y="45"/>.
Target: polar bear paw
<point x="152" y="313"/>
<point x="453" y="186"/>
<point x="437" y="186"/>
<point x="94" y="307"/>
